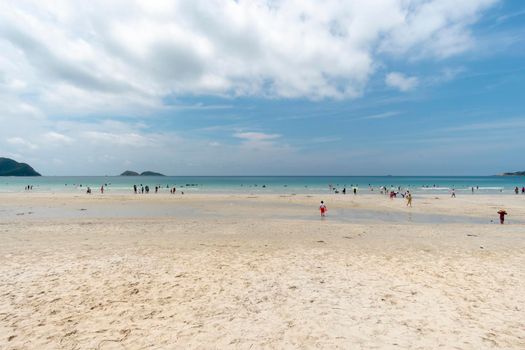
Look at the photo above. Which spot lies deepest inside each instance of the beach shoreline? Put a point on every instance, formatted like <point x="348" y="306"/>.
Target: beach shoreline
<point x="224" y="185"/>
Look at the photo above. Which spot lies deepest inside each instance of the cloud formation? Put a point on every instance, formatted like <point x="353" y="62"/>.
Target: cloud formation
<point x="256" y="136"/>
<point x="122" y="54"/>
<point x="401" y="81"/>
<point x="70" y="69"/>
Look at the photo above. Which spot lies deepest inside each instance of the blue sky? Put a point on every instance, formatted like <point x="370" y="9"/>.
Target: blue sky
<point x="264" y="88"/>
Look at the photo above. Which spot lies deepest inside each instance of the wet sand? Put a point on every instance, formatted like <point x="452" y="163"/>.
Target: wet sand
<point x="242" y="271"/>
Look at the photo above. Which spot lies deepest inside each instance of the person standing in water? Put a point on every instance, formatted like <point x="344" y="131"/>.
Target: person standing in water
<point x="323" y="209"/>
<point x="453" y="193"/>
<point x="102" y="189"/>
<point x="409" y="199"/>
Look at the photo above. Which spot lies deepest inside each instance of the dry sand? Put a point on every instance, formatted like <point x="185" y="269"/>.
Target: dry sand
<point x="241" y="272"/>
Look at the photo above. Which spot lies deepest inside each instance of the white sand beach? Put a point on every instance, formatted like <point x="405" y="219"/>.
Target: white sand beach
<point x="264" y="271"/>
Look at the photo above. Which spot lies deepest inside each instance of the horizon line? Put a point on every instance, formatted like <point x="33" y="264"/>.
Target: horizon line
<point x="151" y="176"/>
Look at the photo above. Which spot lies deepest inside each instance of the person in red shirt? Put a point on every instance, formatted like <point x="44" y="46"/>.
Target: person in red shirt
<point x="323" y="209"/>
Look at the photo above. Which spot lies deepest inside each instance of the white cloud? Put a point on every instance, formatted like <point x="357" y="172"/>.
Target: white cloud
<point x="124" y="55"/>
<point x="401" y="81"/>
<point x="256" y="136"/>
<point x="18" y="141"/>
<point x="259" y="140"/>
<point x="437" y="29"/>
<point x="57" y="138"/>
<point x="126" y="139"/>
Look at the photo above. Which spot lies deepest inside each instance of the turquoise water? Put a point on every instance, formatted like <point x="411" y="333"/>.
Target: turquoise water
<point x="267" y="184"/>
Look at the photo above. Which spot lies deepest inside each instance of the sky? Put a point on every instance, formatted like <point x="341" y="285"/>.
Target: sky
<point x="264" y="87"/>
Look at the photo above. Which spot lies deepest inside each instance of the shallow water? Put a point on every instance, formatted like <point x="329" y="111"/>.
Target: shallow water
<point x="267" y="184"/>
<point x="140" y="210"/>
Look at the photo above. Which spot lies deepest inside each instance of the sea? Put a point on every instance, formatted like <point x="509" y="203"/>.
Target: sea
<point x="266" y="184"/>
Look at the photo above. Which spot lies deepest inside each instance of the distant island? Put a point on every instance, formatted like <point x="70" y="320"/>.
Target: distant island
<point x="517" y="173"/>
<point x="10" y="167"/>
<point x="145" y="173"/>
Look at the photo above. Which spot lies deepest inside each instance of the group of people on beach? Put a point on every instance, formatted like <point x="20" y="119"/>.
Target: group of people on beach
<point x="136" y="189"/>
<point x="145" y="189"/>
<point x="343" y="191"/>
<point x="408" y="196"/>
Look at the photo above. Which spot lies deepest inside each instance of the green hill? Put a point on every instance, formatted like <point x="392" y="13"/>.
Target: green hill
<point x="129" y="173"/>
<point x="151" y="173"/>
<point x="146" y="173"/>
<point x="517" y="173"/>
<point x="9" y="167"/>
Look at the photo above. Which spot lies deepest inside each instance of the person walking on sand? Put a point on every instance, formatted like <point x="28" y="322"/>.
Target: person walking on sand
<point x="409" y="199"/>
<point x="502" y="214"/>
<point x="323" y="209"/>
